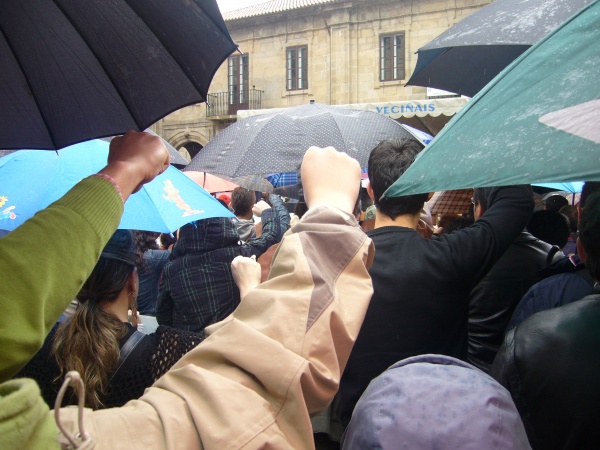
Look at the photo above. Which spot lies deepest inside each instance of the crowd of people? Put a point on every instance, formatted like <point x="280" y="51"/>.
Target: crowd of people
<point x="314" y="331"/>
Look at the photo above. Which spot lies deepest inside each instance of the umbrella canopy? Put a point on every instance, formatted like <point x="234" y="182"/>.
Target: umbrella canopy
<point x="451" y="202"/>
<point x="210" y="182"/>
<point x="74" y="71"/>
<point x="276" y="142"/>
<point x="468" y="55"/>
<point x="571" y="187"/>
<point x="31" y="179"/>
<point x="536" y="122"/>
<point x="214" y="184"/>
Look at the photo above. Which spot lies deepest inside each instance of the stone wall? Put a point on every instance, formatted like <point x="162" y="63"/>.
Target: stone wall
<point x="343" y="56"/>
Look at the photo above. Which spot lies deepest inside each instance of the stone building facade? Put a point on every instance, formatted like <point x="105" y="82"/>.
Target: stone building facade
<point x="336" y="52"/>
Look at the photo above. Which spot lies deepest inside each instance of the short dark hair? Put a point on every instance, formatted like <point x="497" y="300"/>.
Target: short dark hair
<point x="589" y="234"/>
<point x="589" y="187"/>
<point x="480" y="199"/>
<point x="242" y="201"/>
<point x="571" y="212"/>
<point x="550" y="226"/>
<point x="555" y="202"/>
<point x="387" y="162"/>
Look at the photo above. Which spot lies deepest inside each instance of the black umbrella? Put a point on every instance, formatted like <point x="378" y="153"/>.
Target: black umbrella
<point x="76" y="70"/>
<point x="467" y="56"/>
<point x="276" y="142"/>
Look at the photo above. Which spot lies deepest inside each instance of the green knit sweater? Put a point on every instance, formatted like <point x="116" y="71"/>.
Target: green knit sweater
<point x="43" y="264"/>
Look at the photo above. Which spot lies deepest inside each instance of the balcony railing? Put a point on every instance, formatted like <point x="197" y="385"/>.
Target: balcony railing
<point x="228" y="103"/>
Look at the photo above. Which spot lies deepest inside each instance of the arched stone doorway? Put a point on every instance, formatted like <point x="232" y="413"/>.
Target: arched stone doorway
<point x="188" y="142"/>
<point x="192" y="148"/>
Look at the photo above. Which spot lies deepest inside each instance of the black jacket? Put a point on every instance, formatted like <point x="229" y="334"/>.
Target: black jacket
<point x="494" y="299"/>
<point x="421" y="292"/>
<point x="550" y="363"/>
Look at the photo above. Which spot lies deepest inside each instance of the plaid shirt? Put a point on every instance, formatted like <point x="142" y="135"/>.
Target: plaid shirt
<point x="197" y="287"/>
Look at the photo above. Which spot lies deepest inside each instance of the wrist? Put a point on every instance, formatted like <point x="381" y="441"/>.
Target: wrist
<point x="125" y="175"/>
<point x="111" y="180"/>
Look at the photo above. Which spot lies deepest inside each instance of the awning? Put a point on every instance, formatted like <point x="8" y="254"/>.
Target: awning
<point x="417" y="113"/>
<point x="395" y="110"/>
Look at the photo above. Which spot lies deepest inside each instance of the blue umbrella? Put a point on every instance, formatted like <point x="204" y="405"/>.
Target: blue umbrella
<point x="572" y="187"/>
<point x="30" y="180"/>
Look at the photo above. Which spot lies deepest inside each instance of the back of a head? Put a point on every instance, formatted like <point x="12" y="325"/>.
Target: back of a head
<point x="88" y="341"/>
<point x="117" y="261"/>
<point x="435" y="402"/>
<point x="168" y="239"/>
<point x="589" y="234"/>
<point x="242" y="201"/>
<point x="145" y="240"/>
<point x="550" y="226"/>
<point x="589" y="187"/>
<point x="570" y="211"/>
<point x="555" y="202"/>
<point x="205" y="235"/>
<point x="142" y="242"/>
<point x="387" y="162"/>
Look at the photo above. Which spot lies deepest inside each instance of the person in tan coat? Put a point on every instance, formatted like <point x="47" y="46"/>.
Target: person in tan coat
<point x="260" y="373"/>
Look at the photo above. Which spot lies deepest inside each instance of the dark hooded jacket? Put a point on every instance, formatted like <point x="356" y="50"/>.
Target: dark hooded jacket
<point x="197" y="288"/>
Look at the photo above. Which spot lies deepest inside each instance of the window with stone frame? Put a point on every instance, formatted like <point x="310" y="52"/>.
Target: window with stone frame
<point x="238" y="79"/>
<point x="391" y="56"/>
<point x="297" y="68"/>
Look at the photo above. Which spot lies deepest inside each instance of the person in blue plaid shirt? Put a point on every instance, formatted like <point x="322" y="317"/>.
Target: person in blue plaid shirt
<point x="197" y="288"/>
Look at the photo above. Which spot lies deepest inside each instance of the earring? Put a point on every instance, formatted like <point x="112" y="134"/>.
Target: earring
<point x="133" y="309"/>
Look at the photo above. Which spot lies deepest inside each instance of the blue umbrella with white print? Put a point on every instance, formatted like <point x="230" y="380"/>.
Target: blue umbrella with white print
<point x="30" y="180"/>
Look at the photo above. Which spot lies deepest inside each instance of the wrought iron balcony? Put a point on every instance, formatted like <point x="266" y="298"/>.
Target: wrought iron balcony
<point x="227" y="104"/>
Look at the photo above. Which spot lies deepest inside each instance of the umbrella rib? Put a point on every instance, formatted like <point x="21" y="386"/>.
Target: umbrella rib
<point x="12" y="50"/>
<point x="140" y="127"/>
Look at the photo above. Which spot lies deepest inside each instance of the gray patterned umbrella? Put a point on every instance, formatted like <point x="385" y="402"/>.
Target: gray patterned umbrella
<point x="276" y="142"/>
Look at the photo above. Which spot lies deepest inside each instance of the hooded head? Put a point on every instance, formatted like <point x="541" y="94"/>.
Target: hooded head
<point x="435" y="401"/>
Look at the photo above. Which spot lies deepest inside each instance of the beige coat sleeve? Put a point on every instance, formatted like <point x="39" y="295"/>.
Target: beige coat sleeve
<point x="277" y="359"/>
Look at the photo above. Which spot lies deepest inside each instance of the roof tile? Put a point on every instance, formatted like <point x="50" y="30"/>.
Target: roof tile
<point x="272" y="6"/>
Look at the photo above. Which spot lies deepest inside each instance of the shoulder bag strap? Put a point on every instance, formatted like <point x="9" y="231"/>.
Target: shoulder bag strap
<point x="126" y="350"/>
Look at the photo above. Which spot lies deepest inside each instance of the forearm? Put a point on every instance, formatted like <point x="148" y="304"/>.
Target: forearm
<point x="44" y="263"/>
<point x="308" y="330"/>
<point x="275" y="222"/>
<point x="282" y="214"/>
<point x="476" y="249"/>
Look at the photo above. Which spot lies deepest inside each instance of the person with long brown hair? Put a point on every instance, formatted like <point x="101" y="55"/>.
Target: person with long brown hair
<point x="116" y="361"/>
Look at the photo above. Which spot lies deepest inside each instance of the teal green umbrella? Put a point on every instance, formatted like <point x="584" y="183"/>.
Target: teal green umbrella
<point x="537" y="121"/>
